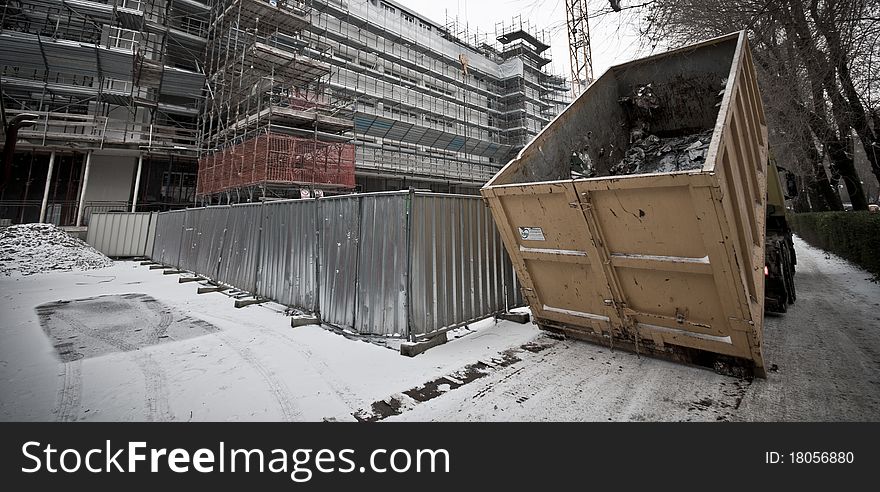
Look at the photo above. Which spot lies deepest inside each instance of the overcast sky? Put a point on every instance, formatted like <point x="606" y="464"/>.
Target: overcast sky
<point x="614" y="37"/>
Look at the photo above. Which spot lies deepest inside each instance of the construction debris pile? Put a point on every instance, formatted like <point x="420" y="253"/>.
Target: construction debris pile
<point x="653" y="154"/>
<point x="648" y="153"/>
<point x="27" y="249"/>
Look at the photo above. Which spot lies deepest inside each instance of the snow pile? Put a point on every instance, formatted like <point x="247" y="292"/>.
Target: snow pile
<point x="36" y="248"/>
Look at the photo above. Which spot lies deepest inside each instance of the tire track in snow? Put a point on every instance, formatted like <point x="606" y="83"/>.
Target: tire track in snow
<point x="155" y="381"/>
<point x="69" y="395"/>
<point x="342" y="390"/>
<point x="279" y="390"/>
<point x="165" y="319"/>
<point x="324" y="372"/>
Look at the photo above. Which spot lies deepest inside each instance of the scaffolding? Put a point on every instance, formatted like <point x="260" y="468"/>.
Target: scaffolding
<point x="272" y="163"/>
<point x="436" y="103"/>
<point x="120" y="78"/>
<point x="267" y="92"/>
<point x="197" y="81"/>
<point x="110" y="74"/>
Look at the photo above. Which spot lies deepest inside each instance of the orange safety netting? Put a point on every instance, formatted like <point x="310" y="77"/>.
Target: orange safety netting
<point x="277" y="159"/>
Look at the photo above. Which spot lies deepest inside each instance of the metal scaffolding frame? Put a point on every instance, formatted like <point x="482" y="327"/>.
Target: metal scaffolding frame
<point x="266" y="92"/>
<point x="120" y="74"/>
<point x="436" y="103"/>
<point x="192" y="79"/>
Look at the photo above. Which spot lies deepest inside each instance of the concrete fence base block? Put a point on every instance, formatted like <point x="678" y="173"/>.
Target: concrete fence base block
<point x="157" y="267"/>
<point x="147" y="262"/>
<point x="184" y="280"/>
<point x="208" y="290"/>
<point x="304" y="320"/>
<point x="172" y="272"/>
<point x="249" y="302"/>
<point x="412" y="349"/>
<point x="521" y="318"/>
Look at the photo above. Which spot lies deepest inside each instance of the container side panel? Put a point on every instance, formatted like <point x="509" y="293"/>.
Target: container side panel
<point x="686" y="83"/>
<point x="658" y="221"/>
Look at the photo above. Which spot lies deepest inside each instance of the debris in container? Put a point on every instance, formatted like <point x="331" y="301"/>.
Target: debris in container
<point x="582" y="165"/>
<point x="643" y="97"/>
<point x="653" y="154"/>
<point x="648" y="152"/>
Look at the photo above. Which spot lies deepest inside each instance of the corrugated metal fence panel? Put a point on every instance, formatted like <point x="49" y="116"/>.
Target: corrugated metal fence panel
<point x="514" y="290"/>
<point x="288" y="252"/>
<point x="382" y="265"/>
<point x="190" y="244"/>
<point x="460" y="271"/>
<point x="340" y="238"/>
<point x="169" y="231"/>
<point x="239" y="265"/>
<point x="122" y="235"/>
<point x="151" y="234"/>
<point x="211" y="229"/>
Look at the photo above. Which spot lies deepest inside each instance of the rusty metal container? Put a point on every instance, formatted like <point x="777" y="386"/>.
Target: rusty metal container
<point x="662" y="263"/>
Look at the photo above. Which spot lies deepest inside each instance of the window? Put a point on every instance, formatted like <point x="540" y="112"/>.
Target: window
<point x="389" y="8"/>
<point x="193" y="26"/>
<point x="131" y="4"/>
<point x="408" y="17"/>
<point x="178" y="187"/>
<point x="122" y="38"/>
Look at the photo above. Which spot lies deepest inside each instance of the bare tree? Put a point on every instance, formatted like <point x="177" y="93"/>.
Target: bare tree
<point x="818" y="65"/>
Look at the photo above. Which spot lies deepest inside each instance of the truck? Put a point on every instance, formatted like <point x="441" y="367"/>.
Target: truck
<point x="648" y="215"/>
<point x="779" y="256"/>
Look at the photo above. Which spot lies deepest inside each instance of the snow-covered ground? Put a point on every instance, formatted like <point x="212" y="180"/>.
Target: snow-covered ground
<point x="251" y="366"/>
<point x="141" y="346"/>
<point x="823" y="355"/>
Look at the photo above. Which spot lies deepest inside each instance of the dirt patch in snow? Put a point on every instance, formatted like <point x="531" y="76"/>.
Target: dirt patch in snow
<point x="114" y="323"/>
<point x="27" y="249"/>
<point x="401" y="402"/>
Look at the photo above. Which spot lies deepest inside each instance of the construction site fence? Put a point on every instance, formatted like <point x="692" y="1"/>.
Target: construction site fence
<point x="277" y="159"/>
<point x="400" y="264"/>
<point x="122" y="235"/>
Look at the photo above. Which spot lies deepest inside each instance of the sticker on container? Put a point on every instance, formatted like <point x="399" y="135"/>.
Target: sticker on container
<point x="531" y="233"/>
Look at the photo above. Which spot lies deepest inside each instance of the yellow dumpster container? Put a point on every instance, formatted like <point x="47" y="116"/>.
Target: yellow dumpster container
<point x="665" y="260"/>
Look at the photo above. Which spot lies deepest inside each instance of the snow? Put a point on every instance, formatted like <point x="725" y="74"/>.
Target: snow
<point x="28" y="249"/>
<point x="672" y="259"/>
<point x="550" y="251"/>
<point x="823" y="359"/>
<point x="579" y="314"/>
<point x="252" y="367"/>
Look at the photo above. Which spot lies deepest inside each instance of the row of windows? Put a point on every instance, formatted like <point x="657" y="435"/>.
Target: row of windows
<point x="389" y="9"/>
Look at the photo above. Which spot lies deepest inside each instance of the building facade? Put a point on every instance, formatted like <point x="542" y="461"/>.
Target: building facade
<point x="160" y="104"/>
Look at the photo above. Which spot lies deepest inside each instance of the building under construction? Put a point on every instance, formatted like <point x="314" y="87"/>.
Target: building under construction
<point x="157" y="104"/>
<point x="111" y="93"/>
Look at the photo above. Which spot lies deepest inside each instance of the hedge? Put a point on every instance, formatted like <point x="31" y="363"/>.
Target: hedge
<point x="854" y="236"/>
